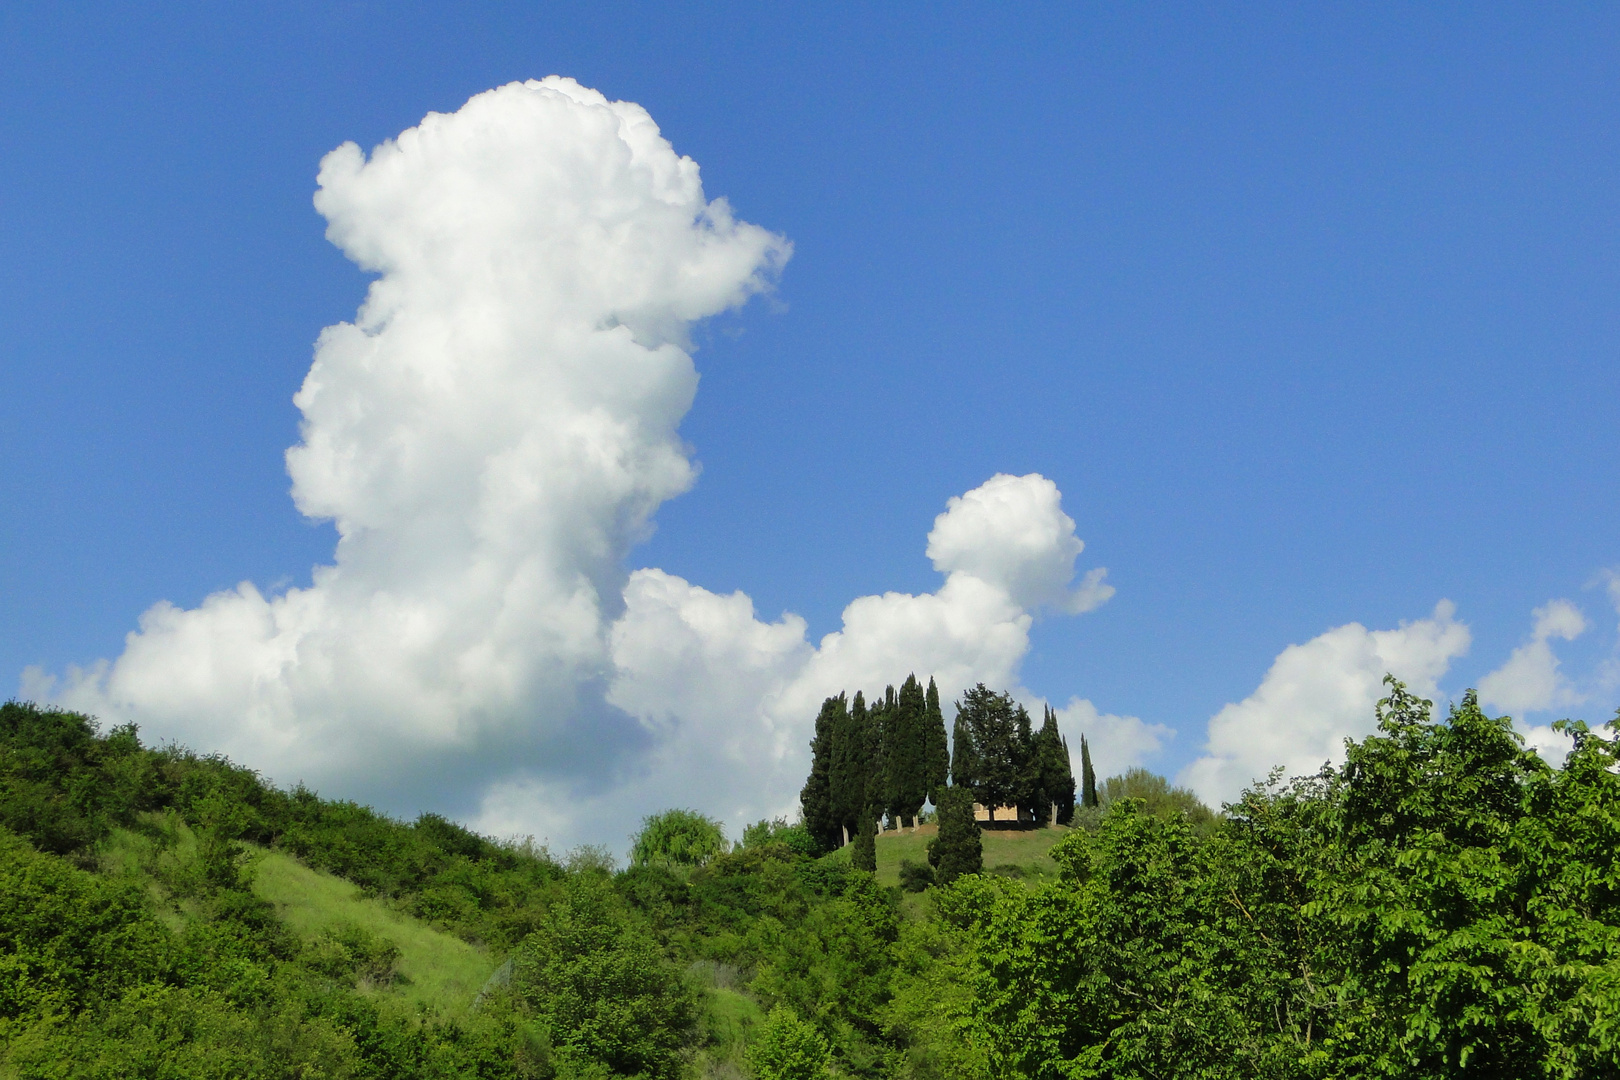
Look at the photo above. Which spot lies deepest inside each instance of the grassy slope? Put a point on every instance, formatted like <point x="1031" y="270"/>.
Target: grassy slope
<point x="438" y="970"/>
<point x="1027" y="850"/>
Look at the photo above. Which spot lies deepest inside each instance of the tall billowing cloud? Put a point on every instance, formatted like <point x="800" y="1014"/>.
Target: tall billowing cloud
<point x="1318" y="694"/>
<point x="491" y="436"/>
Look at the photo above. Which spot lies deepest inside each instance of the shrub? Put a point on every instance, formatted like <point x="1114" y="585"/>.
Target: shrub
<point x="915" y="877"/>
<point x="606" y="996"/>
<point x="677" y="838"/>
<point x="787" y="1048"/>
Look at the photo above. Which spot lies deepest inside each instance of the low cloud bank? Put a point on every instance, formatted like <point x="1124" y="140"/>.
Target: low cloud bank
<point x="1318" y="694"/>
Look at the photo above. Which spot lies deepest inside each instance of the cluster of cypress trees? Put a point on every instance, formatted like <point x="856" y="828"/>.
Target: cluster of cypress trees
<point x="891" y="757"/>
<point x="867" y="761"/>
<point x="997" y="756"/>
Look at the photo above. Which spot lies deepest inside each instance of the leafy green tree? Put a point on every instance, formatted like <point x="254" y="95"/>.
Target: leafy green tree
<point x="989" y="721"/>
<point x="832" y="964"/>
<point x="787" y="1048"/>
<point x="821" y="819"/>
<point x="1136" y="964"/>
<point x="1476" y="906"/>
<point x="1157" y="795"/>
<point x="777" y="831"/>
<point x="604" y="994"/>
<point x="677" y="838"/>
<point x="959" y="848"/>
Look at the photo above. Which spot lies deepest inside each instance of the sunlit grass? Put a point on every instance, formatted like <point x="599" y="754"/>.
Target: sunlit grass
<point x="437" y="970"/>
<point x="1029" y="850"/>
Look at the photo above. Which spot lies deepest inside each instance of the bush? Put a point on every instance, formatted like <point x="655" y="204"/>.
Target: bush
<point x="606" y="996"/>
<point x="677" y="838"/>
<point x="915" y="877"/>
<point x="70" y="939"/>
<point x="354" y="954"/>
<point x="787" y="1048"/>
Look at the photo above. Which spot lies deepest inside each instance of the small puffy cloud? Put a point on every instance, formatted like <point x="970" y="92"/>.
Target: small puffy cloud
<point x="1610" y="578"/>
<point x="1117" y="743"/>
<point x="1530" y="680"/>
<point x="1011" y="532"/>
<point x="491" y="436"/>
<point x="1318" y="694"/>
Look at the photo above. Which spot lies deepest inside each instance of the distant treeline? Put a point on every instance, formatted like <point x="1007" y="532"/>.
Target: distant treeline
<point x="890" y="758"/>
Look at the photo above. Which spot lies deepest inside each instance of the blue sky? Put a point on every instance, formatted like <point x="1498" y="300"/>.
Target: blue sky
<point x="1309" y="314"/>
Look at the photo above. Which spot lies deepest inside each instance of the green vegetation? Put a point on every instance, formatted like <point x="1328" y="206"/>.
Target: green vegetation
<point x="677" y="838"/>
<point x="868" y="763"/>
<point x="433" y="969"/>
<point x="1444" y="905"/>
<point x="958" y="849"/>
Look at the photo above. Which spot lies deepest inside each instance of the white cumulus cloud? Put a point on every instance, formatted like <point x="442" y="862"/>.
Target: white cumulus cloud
<point x="731" y="698"/>
<point x="1530" y="680"/>
<point x="1318" y="694"/>
<point x="491" y="436"/>
<point x="1117" y="742"/>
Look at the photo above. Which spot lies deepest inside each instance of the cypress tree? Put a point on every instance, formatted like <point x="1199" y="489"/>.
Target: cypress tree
<point x="863" y="851"/>
<point x="908" y="752"/>
<point x="958" y="849"/>
<point x="1057" y="776"/>
<point x="850" y="768"/>
<point x="937" y="754"/>
<point x="880" y="734"/>
<point x="1027" y="791"/>
<point x="815" y="799"/>
<point x="1088" y="779"/>
<point x="964" y="761"/>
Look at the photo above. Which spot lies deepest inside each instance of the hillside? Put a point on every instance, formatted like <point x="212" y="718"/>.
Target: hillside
<point x="1444" y="906"/>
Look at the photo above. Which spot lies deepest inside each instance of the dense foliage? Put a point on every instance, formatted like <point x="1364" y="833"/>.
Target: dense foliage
<point x="1003" y="762"/>
<point x="866" y="763"/>
<point x="1445" y="904"/>
<point x="677" y="838"/>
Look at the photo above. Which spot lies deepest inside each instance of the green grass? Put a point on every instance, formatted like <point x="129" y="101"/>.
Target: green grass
<point x="1027" y="850"/>
<point x="437" y="969"/>
<point x="729" y="1017"/>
